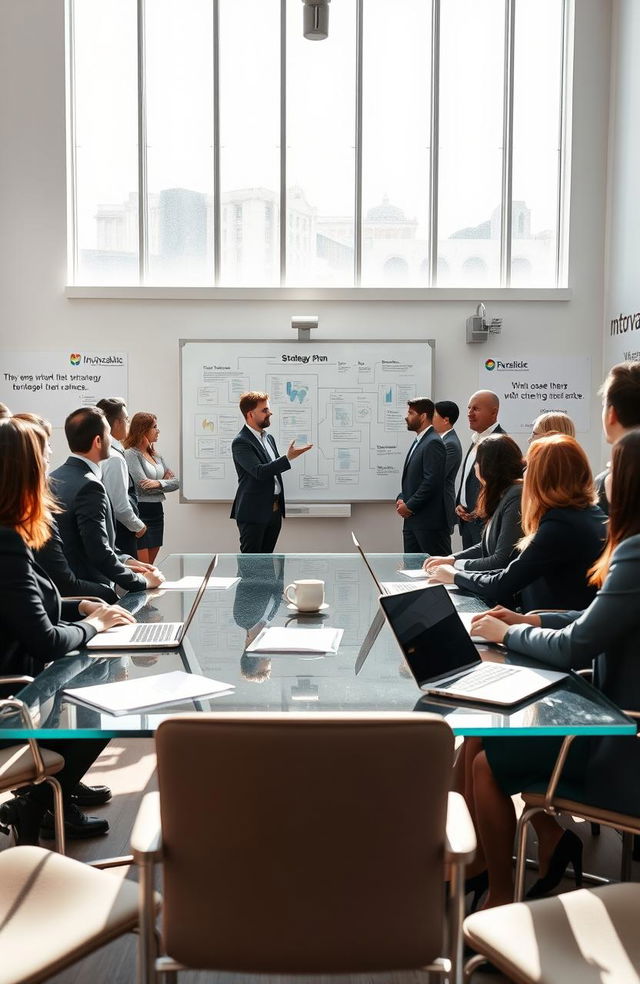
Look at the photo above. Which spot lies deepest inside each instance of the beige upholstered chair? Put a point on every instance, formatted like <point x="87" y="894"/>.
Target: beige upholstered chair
<point x="584" y="937"/>
<point x="304" y="844"/>
<point x="54" y="910"/>
<point x="24" y="765"/>
<point x="550" y="802"/>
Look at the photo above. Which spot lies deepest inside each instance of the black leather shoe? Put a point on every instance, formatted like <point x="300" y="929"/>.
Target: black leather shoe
<point x="23" y="816"/>
<point x="90" y="795"/>
<point x="76" y="824"/>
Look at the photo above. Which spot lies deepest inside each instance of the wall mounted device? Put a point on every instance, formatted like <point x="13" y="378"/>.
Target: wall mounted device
<point x="315" y="24"/>
<point x="478" y="329"/>
<point x="303" y="323"/>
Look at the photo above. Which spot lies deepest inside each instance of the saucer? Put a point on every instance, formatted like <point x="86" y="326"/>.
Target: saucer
<point x="310" y="611"/>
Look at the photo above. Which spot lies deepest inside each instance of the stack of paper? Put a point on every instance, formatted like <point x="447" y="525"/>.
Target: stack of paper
<point x="128" y="696"/>
<point x="192" y="582"/>
<point x="292" y="640"/>
<point x="413" y="572"/>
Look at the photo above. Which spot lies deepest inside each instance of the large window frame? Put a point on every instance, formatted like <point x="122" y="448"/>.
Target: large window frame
<point x="558" y="290"/>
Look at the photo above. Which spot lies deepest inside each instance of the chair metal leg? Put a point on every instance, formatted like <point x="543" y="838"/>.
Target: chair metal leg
<point x="58" y="813"/>
<point x="456" y="918"/>
<point x="627" y="856"/>
<point x="147" y="941"/>
<point x="521" y="851"/>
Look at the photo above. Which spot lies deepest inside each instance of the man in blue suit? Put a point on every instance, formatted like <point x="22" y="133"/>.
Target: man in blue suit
<point x="259" y="505"/>
<point x="421" y="502"/>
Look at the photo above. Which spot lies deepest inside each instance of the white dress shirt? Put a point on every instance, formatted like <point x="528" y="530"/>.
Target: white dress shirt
<point x="471" y="460"/>
<point x="115" y="476"/>
<point x="262" y="437"/>
<point x="415" y="444"/>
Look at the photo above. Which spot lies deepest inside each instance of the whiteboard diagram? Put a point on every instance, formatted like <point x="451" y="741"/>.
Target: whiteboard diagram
<point x="348" y="399"/>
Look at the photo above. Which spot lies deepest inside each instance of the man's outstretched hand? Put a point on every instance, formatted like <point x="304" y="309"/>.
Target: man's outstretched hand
<point x="295" y="452"/>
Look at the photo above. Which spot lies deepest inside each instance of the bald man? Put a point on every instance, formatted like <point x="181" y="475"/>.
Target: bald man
<point x="482" y="414"/>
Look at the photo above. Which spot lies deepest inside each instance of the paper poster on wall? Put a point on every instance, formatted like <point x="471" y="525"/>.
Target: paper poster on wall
<point x="531" y="385"/>
<point x="54" y="384"/>
<point x="622" y="339"/>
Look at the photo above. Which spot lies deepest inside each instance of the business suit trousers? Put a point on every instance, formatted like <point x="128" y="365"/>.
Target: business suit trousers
<point x="435" y="542"/>
<point x="79" y="755"/>
<point x="260" y="537"/>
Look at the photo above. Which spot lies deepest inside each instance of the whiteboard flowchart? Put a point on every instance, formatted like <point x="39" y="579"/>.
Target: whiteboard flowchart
<point x="348" y="399"/>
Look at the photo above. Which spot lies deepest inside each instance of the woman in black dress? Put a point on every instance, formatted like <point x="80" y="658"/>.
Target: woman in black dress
<point x="599" y="771"/>
<point x="36" y="627"/>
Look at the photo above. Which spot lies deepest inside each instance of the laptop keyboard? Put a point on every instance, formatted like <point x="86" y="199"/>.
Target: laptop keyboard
<point x="154" y="632"/>
<point x="474" y="605"/>
<point x="484" y="676"/>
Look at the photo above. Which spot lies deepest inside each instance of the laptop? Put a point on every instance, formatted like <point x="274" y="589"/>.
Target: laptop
<point x="444" y="660"/>
<point x="151" y="635"/>
<point x="387" y="587"/>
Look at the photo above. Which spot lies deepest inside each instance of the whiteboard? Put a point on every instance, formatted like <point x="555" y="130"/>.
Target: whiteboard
<point x="347" y="398"/>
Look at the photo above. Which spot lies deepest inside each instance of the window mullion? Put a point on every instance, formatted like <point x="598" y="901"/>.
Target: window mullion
<point x="283" y="143"/>
<point x="217" y="215"/>
<point x="506" y="211"/>
<point x="435" y="144"/>
<point x="357" y="232"/>
<point x="143" y="207"/>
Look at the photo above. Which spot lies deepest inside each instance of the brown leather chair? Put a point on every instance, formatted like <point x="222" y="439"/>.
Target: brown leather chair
<point x="24" y="765"/>
<point x="54" y="911"/>
<point x="585" y="937"/>
<point x="304" y="844"/>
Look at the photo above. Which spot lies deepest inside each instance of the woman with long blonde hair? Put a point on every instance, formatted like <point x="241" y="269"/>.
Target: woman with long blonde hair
<point x="564" y="533"/>
<point x="599" y="771"/>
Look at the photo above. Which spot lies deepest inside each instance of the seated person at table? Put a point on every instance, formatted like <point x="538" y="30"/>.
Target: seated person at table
<point x="51" y="555"/>
<point x="564" y="535"/>
<point x="35" y="626"/>
<point x="86" y="523"/>
<point x="499" y="467"/>
<point x="599" y="771"/>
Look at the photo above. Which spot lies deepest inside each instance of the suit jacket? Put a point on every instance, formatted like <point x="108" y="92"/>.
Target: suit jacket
<point x="52" y="560"/>
<point x="552" y="571"/>
<point x="454" y="457"/>
<point x="499" y="537"/>
<point x="32" y="630"/>
<point x="256" y="471"/>
<point x="87" y="527"/>
<point x="472" y="484"/>
<point x="607" y="634"/>
<point x="423" y="484"/>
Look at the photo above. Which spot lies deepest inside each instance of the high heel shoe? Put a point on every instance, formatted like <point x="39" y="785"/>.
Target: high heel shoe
<point x="23" y="816"/>
<point x="568" y="851"/>
<point x="478" y="884"/>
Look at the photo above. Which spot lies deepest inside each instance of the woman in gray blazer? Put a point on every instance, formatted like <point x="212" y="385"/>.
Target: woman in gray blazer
<point x="499" y="468"/>
<point x="152" y="477"/>
<point x="599" y="771"/>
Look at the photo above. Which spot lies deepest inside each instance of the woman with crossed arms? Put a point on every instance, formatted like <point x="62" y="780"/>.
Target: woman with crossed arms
<point x="599" y="771"/>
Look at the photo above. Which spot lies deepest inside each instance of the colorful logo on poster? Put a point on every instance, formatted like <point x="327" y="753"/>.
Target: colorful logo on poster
<point x="74" y="358"/>
<point x="490" y="364"/>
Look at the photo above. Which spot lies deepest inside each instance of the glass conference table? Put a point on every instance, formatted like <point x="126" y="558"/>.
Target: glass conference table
<point x="227" y="620"/>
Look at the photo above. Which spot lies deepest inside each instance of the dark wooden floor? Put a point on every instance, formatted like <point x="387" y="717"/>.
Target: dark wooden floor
<point x="129" y="768"/>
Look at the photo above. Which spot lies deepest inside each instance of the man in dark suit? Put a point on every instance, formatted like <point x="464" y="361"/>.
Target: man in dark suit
<point x="421" y="502"/>
<point x="259" y="505"/>
<point x="620" y="413"/>
<point x="482" y="414"/>
<point x="445" y="415"/>
<point x="87" y="525"/>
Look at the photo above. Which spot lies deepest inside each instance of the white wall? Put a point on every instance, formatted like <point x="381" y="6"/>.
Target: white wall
<point x="623" y="233"/>
<point x="36" y="315"/>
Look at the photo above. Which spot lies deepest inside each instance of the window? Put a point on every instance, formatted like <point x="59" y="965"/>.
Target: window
<point x="419" y="145"/>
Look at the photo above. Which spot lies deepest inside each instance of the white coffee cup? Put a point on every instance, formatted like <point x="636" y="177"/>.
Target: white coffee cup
<point x="307" y="595"/>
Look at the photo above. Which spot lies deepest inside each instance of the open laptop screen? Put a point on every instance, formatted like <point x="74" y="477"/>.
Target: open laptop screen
<point x="431" y="635"/>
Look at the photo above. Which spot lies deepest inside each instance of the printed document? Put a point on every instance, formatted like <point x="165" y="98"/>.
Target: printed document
<point x="128" y="696"/>
<point x="292" y="640"/>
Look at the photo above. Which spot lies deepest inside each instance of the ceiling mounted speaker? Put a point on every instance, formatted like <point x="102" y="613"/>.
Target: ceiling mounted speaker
<point x="316" y="19"/>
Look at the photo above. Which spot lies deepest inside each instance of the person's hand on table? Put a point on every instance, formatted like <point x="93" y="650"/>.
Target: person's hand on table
<point x="508" y="617"/>
<point x="445" y="574"/>
<point x="103" y="616"/>
<point x="154" y="578"/>
<point x="431" y="563"/>
<point x="87" y="607"/>
<point x="403" y="510"/>
<point x="489" y="628"/>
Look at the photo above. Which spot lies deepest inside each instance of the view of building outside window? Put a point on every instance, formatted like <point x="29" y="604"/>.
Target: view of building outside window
<point x="321" y="144"/>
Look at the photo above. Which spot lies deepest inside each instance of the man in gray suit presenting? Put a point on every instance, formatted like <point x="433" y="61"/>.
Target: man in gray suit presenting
<point x="444" y="417"/>
<point x="421" y="502"/>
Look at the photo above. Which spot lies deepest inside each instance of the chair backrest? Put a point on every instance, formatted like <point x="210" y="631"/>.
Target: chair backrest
<point x="304" y="843"/>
